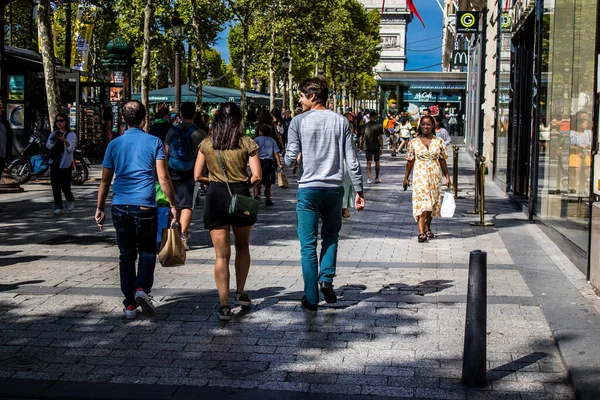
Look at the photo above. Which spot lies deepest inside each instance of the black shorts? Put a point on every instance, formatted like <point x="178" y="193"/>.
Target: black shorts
<point x="184" y="193"/>
<point x="183" y="185"/>
<point x="216" y="205"/>
<point x="268" y="171"/>
<point x="373" y="155"/>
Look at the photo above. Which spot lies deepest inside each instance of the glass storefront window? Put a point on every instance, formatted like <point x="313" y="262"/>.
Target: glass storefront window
<point x="565" y="131"/>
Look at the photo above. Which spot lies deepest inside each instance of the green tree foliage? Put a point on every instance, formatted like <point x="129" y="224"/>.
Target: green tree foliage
<point x="345" y="50"/>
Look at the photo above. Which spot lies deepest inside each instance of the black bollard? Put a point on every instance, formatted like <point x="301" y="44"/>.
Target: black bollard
<point x="474" y="371"/>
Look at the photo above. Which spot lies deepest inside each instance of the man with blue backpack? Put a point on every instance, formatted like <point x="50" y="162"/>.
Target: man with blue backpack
<point x="181" y="148"/>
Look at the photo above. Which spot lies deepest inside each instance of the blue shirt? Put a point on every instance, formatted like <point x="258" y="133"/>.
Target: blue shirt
<point x="133" y="158"/>
<point x="266" y="147"/>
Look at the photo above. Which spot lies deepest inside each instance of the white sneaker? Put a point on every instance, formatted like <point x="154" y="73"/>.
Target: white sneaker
<point x="58" y="211"/>
<point x="70" y="205"/>
<point x="144" y="300"/>
<point x="369" y="180"/>
<point x="130" y="312"/>
<point x="377" y="180"/>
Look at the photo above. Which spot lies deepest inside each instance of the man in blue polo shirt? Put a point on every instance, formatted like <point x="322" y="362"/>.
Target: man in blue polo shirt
<point x="135" y="159"/>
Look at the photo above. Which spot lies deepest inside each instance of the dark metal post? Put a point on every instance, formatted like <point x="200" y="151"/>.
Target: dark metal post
<point x="476" y="209"/>
<point x="455" y="173"/>
<point x="177" y="82"/>
<point x="482" y="196"/>
<point x="474" y="372"/>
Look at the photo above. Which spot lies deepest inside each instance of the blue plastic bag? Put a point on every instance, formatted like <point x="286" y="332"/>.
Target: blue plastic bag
<point x="39" y="163"/>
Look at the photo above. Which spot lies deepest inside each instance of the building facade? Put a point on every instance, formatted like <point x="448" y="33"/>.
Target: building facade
<point x="393" y="29"/>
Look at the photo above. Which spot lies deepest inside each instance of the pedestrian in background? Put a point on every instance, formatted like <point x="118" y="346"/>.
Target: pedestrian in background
<point x="162" y="124"/>
<point x="440" y="130"/>
<point x="61" y="143"/>
<point x="268" y="154"/>
<point x="181" y="148"/>
<point x="428" y="156"/>
<point x="225" y="155"/>
<point x="372" y="143"/>
<point x="406" y="130"/>
<point x="135" y="159"/>
<point x="326" y="142"/>
<point x="6" y="140"/>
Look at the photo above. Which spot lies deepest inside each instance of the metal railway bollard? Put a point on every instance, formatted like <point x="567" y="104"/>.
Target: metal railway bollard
<point x="474" y="371"/>
<point x="482" y="221"/>
<point x="477" y="182"/>
<point x="455" y="173"/>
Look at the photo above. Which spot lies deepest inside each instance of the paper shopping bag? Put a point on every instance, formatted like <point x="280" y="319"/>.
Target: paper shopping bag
<point x="282" y="180"/>
<point x="172" y="250"/>
<point x="448" y="205"/>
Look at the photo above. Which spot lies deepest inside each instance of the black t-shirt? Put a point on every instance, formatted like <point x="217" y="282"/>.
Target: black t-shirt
<point x="160" y="129"/>
<point x="373" y="131"/>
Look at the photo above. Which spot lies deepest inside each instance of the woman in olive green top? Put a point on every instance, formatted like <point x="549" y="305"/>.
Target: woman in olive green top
<point x="237" y="151"/>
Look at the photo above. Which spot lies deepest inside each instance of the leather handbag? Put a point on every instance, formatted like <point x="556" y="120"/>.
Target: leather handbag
<point x="242" y="207"/>
<point x="172" y="251"/>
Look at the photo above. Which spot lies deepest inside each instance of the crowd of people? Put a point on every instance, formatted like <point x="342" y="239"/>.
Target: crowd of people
<point x="218" y="154"/>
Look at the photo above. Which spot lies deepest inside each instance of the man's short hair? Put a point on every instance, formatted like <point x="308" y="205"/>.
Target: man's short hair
<point x="315" y="86"/>
<point x="162" y="112"/>
<point x="188" y="110"/>
<point x="134" y="113"/>
<point x="372" y="114"/>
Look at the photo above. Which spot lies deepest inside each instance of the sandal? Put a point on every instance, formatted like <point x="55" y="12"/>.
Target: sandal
<point x="422" y="237"/>
<point x="224" y="313"/>
<point x="430" y="234"/>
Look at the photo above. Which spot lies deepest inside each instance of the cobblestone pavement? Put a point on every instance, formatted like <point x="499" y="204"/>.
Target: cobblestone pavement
<point x="396" y="331"/>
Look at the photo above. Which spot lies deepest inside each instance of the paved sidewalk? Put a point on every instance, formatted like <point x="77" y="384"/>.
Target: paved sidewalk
<point x="397" y="330"/>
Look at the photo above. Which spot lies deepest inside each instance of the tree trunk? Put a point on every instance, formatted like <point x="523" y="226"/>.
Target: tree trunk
<point x="272" y="70"/>
<point x="199" y="60"/>
<point x="48" y="59"/>
<point x="290" y="77"/>
<point x="68" y="37"/>
<point x="244" y="67"/>
<point x="145" y="72"/>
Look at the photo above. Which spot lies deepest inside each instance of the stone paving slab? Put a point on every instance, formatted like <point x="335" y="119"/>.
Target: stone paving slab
<point x="396" y="332"/>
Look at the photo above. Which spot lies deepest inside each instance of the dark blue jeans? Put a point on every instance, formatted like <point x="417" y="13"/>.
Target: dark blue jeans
<point x="136" y="234"/>
<point x="313" y="205"/>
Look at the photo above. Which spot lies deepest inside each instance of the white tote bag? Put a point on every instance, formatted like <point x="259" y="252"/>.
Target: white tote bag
<point x="448" y="205"/>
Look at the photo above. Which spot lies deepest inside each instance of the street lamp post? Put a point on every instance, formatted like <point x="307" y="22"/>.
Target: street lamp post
<point x="177" y="26"/>
<point x="285" y="64"/>
<point x="255" y="84"/>
<point x="343" y="98"/>
<point x="354" y="87"/>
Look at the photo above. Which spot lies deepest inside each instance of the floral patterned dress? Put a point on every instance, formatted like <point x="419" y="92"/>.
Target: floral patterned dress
<point x="427" y="175"/>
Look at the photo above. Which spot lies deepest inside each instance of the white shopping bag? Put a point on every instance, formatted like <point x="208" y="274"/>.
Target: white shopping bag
<point x="448" y="205"/>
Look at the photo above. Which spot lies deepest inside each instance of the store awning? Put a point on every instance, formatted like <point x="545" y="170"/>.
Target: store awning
<point x="210" y="94"/>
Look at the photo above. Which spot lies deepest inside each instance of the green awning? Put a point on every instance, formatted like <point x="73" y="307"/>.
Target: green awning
<point x="210" y="94"/>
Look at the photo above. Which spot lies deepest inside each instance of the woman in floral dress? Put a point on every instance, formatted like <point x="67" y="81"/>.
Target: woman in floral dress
<point x="428" y="155"/>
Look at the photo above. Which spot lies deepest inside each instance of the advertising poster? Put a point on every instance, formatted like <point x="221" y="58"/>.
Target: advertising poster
<point x="16" y="116"/>
<point x="16" y="87"/>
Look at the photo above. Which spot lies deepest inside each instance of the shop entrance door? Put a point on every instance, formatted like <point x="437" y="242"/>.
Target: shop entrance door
<point x="521" y="135"/>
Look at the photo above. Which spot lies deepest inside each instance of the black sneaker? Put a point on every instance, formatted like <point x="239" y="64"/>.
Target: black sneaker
<point x="307" y="305"/>
<point x="257" y="198"/>
<point x="327" y="290"/>
<point x="269" y="202"/>
<point x="224" y="313"/>
<point x="242" y="299"/>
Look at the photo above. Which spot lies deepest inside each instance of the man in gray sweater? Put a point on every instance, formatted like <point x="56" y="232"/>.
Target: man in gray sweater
<point x="324" y="141"/>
